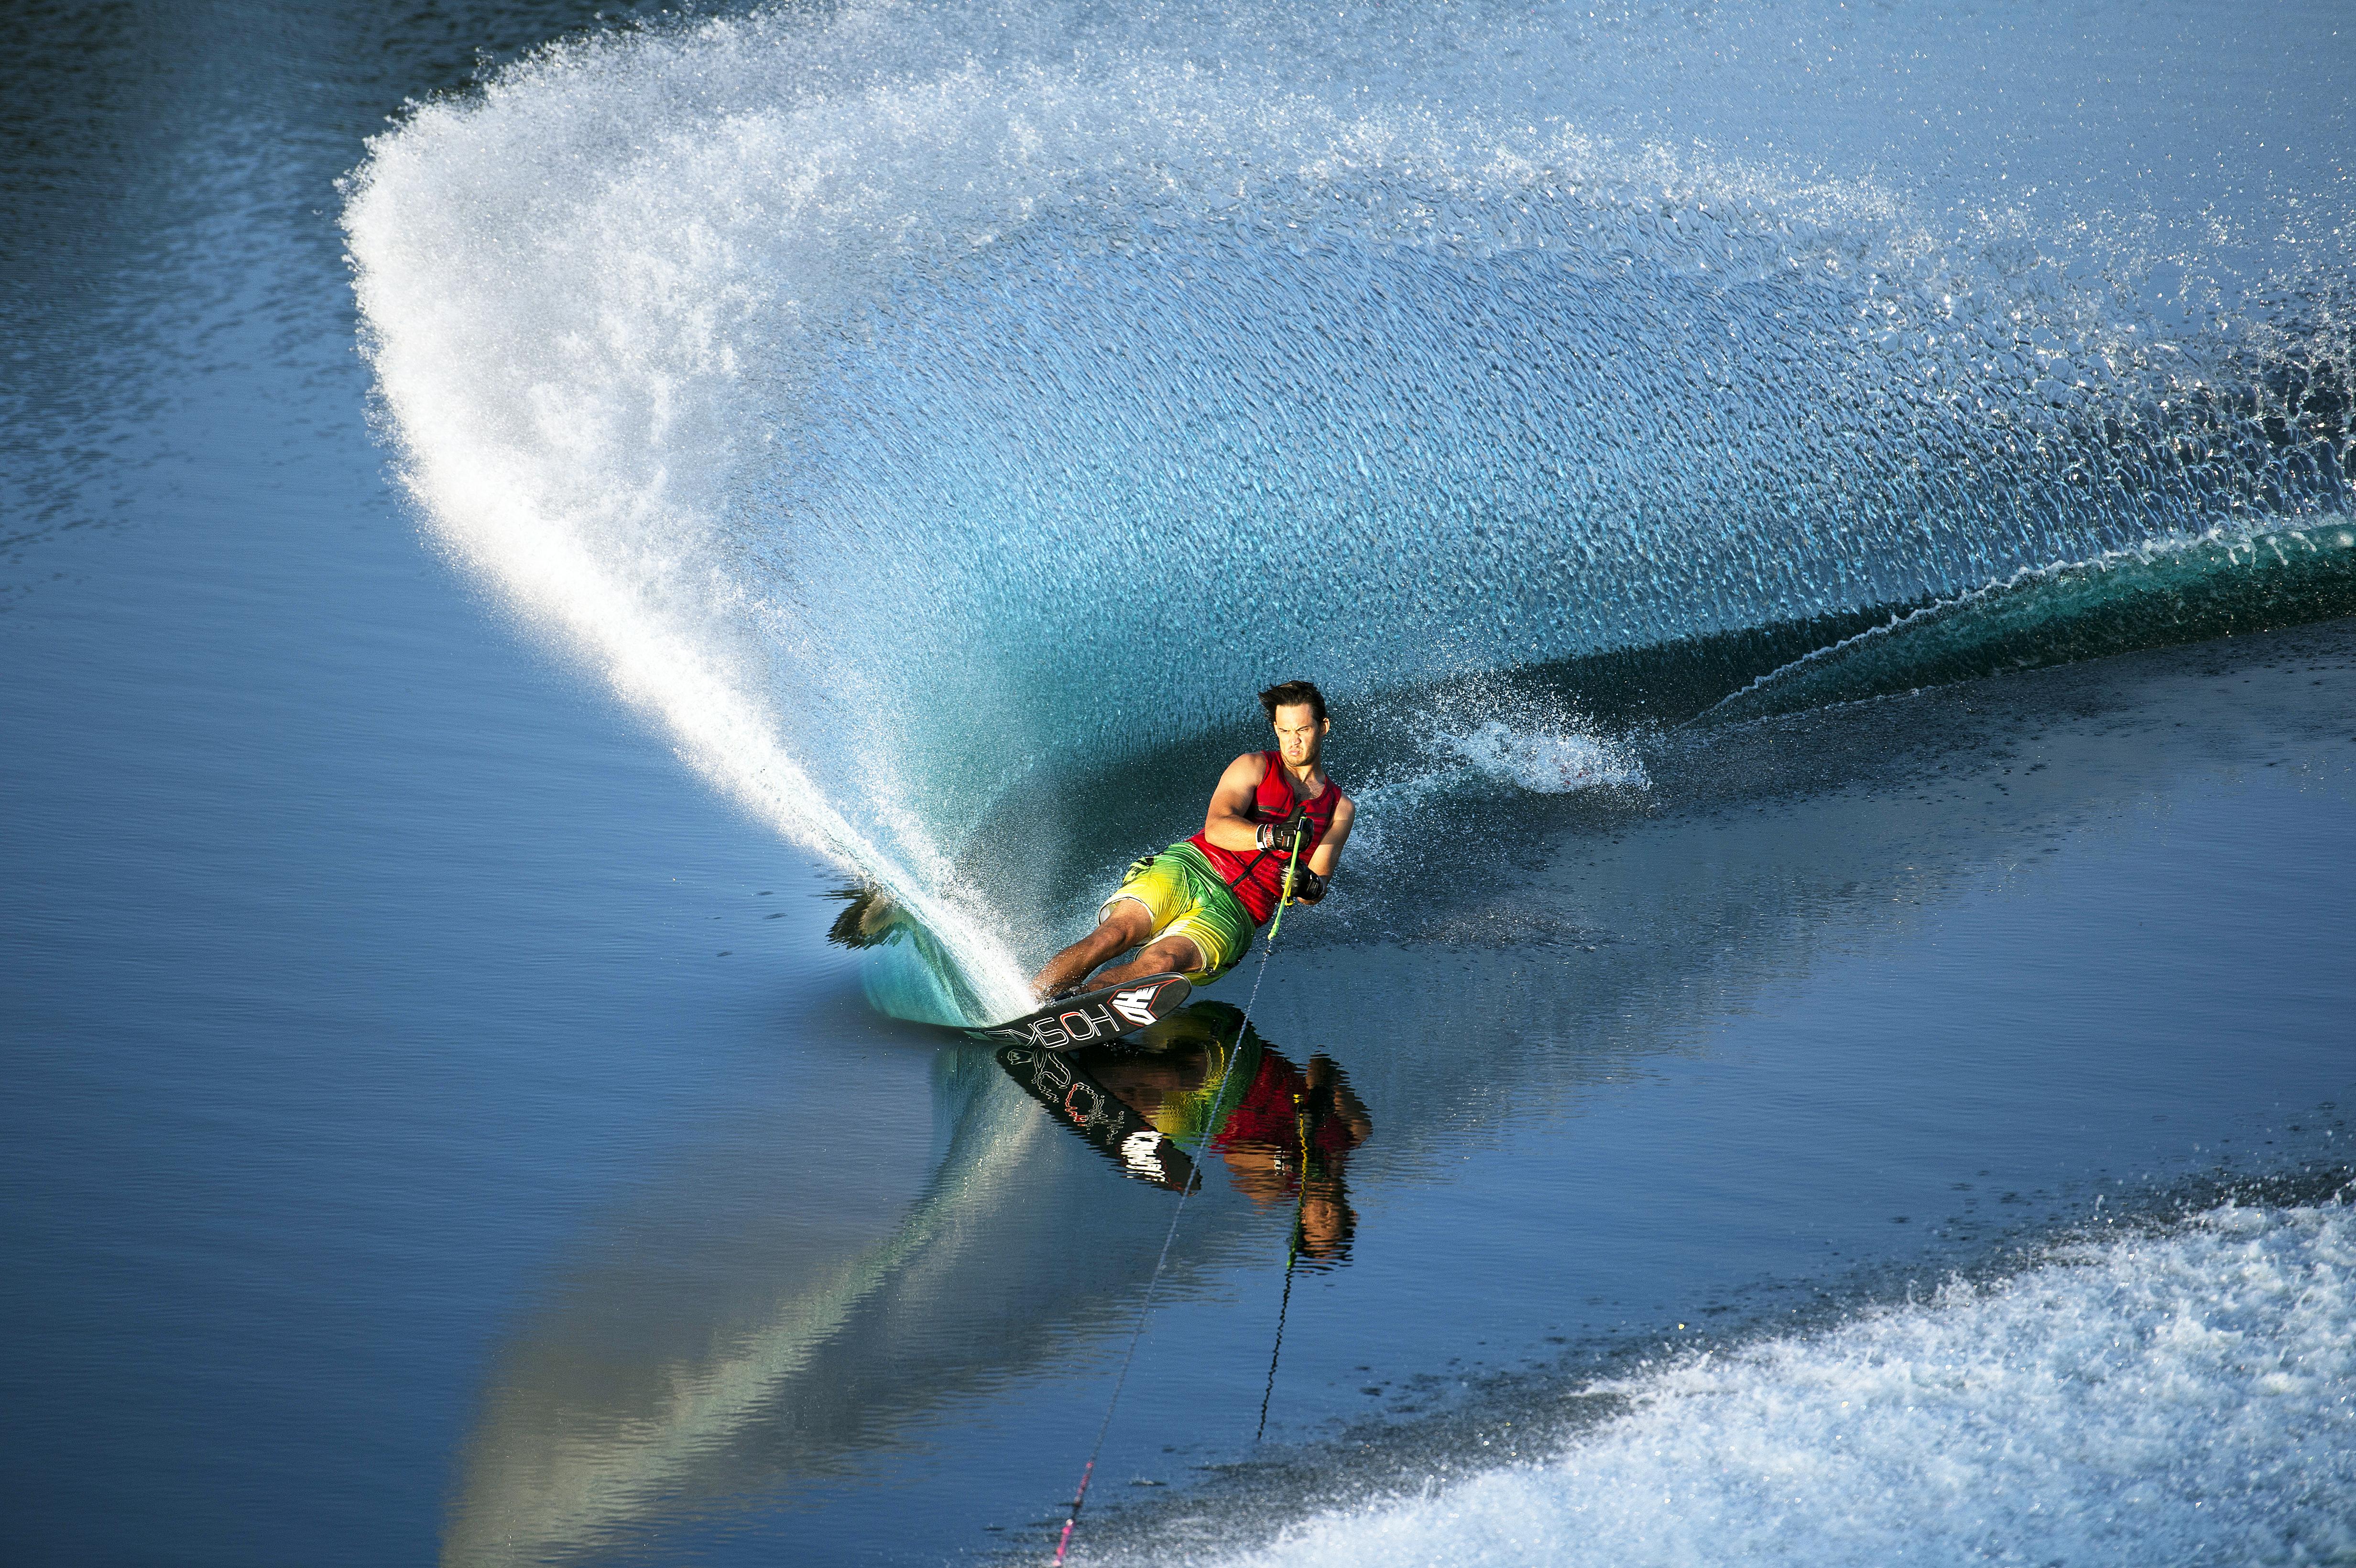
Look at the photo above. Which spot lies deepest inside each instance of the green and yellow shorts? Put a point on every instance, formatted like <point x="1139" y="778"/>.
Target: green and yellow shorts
<point x="1186" y="898"/>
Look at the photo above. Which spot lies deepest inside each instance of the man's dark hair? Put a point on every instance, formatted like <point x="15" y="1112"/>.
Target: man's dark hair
<point x="1292" y="694"/>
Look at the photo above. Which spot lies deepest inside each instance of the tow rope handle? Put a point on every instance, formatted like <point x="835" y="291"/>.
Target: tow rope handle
<point x="1291" y="866"/>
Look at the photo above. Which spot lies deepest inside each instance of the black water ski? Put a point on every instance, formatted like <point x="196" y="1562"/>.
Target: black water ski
<point x="1093" y="1015"/>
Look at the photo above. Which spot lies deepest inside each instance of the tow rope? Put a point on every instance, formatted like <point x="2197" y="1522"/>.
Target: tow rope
<point x="1145" y="1307"/>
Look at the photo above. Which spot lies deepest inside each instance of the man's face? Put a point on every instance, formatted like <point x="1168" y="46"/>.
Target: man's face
<point x="1298" y="732"/>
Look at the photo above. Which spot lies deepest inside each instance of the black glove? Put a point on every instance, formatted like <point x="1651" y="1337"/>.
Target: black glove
<point x="1307" y="886"/>
<point x="1282" y="835"/>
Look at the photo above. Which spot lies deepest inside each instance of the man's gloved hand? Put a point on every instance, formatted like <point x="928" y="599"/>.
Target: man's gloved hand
<point x="1282" y="835"/>
<point x="1307" y="886"/>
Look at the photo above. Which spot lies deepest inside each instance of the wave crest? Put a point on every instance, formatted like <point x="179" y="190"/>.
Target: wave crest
<point x="2165" y="592"/>
<point x="902" y="403"/>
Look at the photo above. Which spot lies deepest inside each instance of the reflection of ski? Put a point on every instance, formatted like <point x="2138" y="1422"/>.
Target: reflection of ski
<point x="1091" y="1015"/>
<point x="1097" y="1115"/>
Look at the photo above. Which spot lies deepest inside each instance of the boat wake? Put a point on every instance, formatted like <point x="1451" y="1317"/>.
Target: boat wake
<point x="2157" y="594"/>
<point x="2175" y="1397"/>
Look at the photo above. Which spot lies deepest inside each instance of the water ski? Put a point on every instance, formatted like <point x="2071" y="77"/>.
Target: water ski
<point x="1093" y="1015"/>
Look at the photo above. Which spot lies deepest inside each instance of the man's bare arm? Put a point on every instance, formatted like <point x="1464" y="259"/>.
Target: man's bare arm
<point x="1329" y="849"/>
<point x="1229" y="822"/>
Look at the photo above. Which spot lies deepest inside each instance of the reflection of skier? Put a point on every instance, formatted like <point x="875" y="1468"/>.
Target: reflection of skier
<point x="1284" y="1134"/>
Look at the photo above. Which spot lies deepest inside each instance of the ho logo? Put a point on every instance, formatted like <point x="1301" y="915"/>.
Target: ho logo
<point x="1077" y="1027"/>
<point x="1136" y="1006"/>
<point x="1118" y="1012"/>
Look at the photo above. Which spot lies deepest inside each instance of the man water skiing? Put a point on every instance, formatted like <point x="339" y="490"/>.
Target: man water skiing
<point x="1194" y="907"/>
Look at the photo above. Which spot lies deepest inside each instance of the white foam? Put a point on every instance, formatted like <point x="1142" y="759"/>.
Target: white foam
<point x="1542" y="756"/>
<point x="2183" y="1398"/>
<point x="1544" y="762"/>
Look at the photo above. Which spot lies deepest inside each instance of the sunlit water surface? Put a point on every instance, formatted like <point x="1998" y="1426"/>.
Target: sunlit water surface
<point x="1830" y="538"/>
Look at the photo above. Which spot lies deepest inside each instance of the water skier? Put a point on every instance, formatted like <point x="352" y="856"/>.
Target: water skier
<point x="1193" y="908"/>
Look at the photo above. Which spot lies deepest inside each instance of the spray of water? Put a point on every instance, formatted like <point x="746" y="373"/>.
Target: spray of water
<point x="899" y="403"/>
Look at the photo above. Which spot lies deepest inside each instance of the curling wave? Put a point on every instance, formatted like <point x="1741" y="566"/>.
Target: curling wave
<point x="896" y="404"/>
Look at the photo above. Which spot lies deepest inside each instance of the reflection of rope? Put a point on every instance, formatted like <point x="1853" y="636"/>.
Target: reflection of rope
<point x="1080" y="1495"/>
<point x="1291" y="1254"/>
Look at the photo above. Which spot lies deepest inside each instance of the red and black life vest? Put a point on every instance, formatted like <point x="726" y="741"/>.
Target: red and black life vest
<point x="1257" y="875"/>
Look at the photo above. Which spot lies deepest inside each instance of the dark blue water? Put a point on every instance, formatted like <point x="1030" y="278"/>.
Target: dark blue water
<point x="1830" y="540"/>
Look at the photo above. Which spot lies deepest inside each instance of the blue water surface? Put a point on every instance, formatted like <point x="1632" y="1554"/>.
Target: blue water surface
<point x="437" y="1126"/>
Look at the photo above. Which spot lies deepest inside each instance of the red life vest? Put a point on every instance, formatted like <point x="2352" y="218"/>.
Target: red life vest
<point x="1257" y="875"/>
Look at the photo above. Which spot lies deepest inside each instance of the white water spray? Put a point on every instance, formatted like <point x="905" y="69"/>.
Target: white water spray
<point x="893" y="402"/>
<point x="2179" y="1399"/>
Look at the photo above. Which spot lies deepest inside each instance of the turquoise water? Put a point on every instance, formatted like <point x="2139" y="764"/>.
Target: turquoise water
<point x="1829" y="538"/>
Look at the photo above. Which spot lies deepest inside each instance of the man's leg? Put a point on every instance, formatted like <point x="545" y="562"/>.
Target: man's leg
<point x="1170" y="956"/>
<point x="1126" y="923"/>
